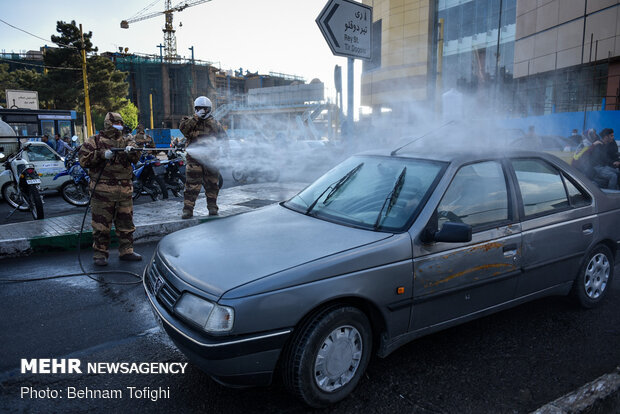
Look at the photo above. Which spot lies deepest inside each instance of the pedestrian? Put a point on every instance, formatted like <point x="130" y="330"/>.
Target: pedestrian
<point x="111" y="188"/>
<point x="57" y="140"/>
<point x="63" y="147"/>
<point x="574" y="138"/>
<point x="45" y="138"/>
<point x="605" y="159"/>
<point x="201" y="131"/>
<point x="142" y="139"/>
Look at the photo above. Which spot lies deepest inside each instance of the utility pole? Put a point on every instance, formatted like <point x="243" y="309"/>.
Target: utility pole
<point x="89" y="122"/>
<point x="439" y="83"/>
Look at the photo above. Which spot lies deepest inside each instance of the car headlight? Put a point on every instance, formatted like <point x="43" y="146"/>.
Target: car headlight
<point x="210" y="316"/>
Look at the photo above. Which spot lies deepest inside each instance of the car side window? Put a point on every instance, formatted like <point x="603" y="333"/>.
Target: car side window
<point x="477" y="196"/>
<point x="41" y="153"/>
<point x="541" y="185"/>
<point x="577" y="197"/>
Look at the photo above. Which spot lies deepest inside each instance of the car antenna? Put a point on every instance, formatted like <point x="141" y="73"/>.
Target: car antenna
<point x="419" y="138"/>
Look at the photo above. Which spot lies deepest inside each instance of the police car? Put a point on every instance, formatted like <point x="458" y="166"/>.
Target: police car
<point x="46" y="162"/>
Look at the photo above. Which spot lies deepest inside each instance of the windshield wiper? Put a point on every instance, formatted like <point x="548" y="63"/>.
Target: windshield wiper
<point x="335" y="187"/>
<point x="392" y="197"/>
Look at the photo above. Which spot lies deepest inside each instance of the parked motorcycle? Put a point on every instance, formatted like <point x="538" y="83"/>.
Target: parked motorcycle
<point x="253" y="174"/>
<point x="173" y="178"/>
<point x="74" y="191"/>
<point x="22" y="191"/>
<point x="148" y="178"/>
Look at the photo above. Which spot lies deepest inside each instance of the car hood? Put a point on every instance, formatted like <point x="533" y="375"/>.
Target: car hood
<point x="226" y="253"/>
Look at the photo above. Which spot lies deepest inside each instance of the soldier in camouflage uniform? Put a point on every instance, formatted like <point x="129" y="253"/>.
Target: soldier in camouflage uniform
<point x="111" y="188"/>
<point x="201" y="130"/>
<point x="143" y="140"/>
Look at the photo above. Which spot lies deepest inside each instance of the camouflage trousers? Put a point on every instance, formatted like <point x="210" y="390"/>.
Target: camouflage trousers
<point x="112" y="203"/>
<point x="197" y="175"/>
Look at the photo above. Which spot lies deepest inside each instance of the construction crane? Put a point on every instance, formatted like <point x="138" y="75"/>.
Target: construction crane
<point x="170" y="40"/>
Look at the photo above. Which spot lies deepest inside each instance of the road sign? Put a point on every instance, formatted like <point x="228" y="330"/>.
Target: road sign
<point x="22" y="99"/>
<point x="346" y="25"/>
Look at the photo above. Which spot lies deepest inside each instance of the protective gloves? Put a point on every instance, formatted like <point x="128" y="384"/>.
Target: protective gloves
<point x="108" y="154"/>
<point x="128" y="148"/>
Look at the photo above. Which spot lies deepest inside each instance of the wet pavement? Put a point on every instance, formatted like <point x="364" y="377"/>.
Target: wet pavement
<point x="152" y="220"/>
<point x="156" y="219"/>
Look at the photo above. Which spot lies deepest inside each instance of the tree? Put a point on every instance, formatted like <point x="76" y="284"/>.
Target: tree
<point x="26" y="79"/>
<point x="129" y="112"/>
<point x="63" y="83"/>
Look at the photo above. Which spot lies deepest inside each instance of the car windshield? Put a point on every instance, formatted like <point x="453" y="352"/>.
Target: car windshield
<point x="40" y="153"/>
<point x="379" y="193"/>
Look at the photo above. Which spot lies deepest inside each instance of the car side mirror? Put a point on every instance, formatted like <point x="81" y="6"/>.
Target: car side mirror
<point x="450" y="232"/>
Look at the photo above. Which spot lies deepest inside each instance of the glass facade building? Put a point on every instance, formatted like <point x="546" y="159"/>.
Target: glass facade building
<point x="472" y="30"/>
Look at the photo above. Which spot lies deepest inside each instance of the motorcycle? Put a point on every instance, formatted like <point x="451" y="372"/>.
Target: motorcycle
<point x="148" y="178"/>
<point x="23" y="191"/>
<point x="253" y="174"/>
<point x="173" y="178"/>
<point x="74" y="191"/>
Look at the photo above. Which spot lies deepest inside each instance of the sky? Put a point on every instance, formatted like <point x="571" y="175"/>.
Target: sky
<point x="256" y="35"/>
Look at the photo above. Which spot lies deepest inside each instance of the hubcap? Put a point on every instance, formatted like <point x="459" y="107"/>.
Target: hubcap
<point x="338" y="358"/>
<point x="596" y="276"/>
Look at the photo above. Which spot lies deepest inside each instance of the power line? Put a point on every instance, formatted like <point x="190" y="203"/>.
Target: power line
<point x="38" y="37"/>
<point x="39" y="66"/>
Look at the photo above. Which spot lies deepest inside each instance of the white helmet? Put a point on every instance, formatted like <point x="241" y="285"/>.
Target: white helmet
<point x="202" y="107"/>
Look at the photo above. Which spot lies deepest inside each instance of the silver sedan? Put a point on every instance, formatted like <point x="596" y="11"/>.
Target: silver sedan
<point x="382" y="249"/>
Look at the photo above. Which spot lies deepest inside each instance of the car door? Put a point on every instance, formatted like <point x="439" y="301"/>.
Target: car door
<point x="558" y="224"/>
<point x="452" y="280"/>
<point x="47" y="163"/>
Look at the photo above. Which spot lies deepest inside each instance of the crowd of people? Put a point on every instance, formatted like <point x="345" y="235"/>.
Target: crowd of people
<point x="597" y="157"/>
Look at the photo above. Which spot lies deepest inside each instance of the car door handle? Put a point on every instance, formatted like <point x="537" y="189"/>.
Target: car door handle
<point x="587" y="229"/>
<point x="510" y="250"/>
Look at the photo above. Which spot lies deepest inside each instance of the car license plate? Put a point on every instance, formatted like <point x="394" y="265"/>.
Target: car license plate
<point x="33" y="181"/>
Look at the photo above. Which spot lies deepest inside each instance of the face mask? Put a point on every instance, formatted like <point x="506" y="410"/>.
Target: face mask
<point x="119" y="127"/>
<point x="202" y="113"/>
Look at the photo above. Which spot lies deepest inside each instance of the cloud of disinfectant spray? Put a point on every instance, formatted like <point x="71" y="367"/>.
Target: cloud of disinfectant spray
<point x="269" y="149"/>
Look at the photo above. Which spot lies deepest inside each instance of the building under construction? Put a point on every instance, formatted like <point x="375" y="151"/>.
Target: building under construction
<point x="168" y="89"/>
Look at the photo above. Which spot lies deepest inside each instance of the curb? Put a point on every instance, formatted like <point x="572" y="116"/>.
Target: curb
<point x="69" y="241"/>
<point x="600" y="396"/>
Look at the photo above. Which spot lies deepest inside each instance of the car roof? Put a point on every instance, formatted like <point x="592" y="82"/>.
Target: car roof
<point x="459" y="155"/>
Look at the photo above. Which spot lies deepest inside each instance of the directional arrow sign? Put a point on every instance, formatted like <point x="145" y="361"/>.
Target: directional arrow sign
<point x="346" y="26"/>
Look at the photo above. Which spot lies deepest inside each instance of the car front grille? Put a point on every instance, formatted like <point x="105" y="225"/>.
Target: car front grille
<point x="160" y="287"/>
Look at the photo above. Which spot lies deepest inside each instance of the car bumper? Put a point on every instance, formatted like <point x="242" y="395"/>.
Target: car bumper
<point x="239" y="361"/>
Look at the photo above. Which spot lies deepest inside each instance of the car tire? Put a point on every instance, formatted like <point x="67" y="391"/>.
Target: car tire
<point x="594" y="278"/>
<point x="328" y="356"/>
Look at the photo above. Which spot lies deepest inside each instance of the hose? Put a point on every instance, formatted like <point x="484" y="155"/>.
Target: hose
<point x="79" y="249"/>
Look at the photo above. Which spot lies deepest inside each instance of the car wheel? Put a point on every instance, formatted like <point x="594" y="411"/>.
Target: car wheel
<point x="328" y="356"/>
<point x="594" y="277"/>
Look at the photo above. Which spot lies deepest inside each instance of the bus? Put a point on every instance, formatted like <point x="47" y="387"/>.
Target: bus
<point x="39" y="122"/>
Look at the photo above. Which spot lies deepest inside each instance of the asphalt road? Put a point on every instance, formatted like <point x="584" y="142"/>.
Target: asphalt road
<point x="511" y="362"/>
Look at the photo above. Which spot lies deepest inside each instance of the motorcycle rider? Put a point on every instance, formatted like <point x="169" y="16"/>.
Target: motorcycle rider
<point x="201" y="131"/>
<point x="111" y="188"/>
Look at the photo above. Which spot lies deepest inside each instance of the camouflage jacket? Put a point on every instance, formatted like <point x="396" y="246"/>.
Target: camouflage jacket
<point x="196" y="129"/>
<point x="118" y="168"/>
<point x="144" y="141"/>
